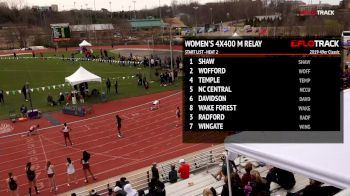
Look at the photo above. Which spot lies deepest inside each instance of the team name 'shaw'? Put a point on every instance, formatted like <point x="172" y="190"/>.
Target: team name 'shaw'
<point x="314" y="43"/>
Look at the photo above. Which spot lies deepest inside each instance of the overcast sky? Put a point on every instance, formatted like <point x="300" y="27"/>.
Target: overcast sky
<point x="118" y="5"/>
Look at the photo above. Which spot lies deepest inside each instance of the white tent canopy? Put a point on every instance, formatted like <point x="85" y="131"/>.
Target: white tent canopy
<point x="84" y="44"/>
<point x="82" y="75"/>
<point x="328" y="163"/>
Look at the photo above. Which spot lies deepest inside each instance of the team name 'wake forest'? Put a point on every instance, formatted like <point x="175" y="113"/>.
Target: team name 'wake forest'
<point x="223" y="43"/>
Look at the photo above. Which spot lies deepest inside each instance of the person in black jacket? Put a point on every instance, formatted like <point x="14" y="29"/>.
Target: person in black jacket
<point x="260" y="186"/>
<point x="1" y="96"/>
<point x="173" y="175"/>
<point x="108" y="84"/>
<point x="282" y="177"/>
<point x="155" y="172"/>
<point x="236" y="186"/>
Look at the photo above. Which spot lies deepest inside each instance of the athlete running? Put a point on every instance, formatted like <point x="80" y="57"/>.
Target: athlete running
<point x="119" y="125"/>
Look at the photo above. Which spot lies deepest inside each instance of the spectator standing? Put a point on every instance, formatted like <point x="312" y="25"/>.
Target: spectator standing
<point x="231" y="158"/>
<point x="223" y="171"/>
<point x="184" y="169"/>
<point x="66" y="135"/>
<point x="1" y="96"/>
<point x="116" y="87"/>
<point x="173" y="175"/>
<point x="155" y="172"/>
<point x="24" y="92"/>
<point x="12" y="184"/>
<point x="108" y="84"/>
<point x="23" y="109"/>
<point x="70" y="172"/>
<point x="31" y="176"/>
<point x="61" y="98"/>
<point x="86" y="166"/>
<point x="50" y="100"/>
<point x="247" y="176"/>
<point x="51" y="176"/>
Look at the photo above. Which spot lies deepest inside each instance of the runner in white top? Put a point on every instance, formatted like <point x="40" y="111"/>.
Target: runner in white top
<point x="70" y="171"/>
<point x="51" y="176"/>
<point x="155" y="105"/>
<point x="66" y="135"/>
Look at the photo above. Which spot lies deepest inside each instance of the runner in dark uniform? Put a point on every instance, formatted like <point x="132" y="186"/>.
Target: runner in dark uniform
<point x="31" y="178"/>
<point x="86" y="166"/>
<point x="12" y="185"/>
<point x="178" y="115"/>
<point x="119" y="125"/>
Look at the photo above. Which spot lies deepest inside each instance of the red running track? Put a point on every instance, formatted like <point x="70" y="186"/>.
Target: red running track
<point x="148" y="136"/>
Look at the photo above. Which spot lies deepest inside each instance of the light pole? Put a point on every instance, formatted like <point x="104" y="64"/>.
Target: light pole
<point x="29" y="95"/>
<point x="110" y="8"/>
<point x="211" y="15"/>
<point x="171" y="55"/>
<point x="195" y="16"/>
<point x="134" y="9"/>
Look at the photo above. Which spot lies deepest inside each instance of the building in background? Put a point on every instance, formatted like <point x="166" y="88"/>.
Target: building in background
<point x="93" y="33"/>
<point x="52" y="8"/>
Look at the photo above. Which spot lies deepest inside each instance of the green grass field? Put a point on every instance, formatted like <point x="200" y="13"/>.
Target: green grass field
<point x="43" y="73"/>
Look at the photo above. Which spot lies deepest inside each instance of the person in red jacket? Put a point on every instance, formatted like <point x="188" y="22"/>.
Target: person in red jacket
<point x="184" y="169"/>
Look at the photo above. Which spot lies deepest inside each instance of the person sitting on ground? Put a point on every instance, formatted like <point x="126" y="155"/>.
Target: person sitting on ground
<point x="236" y="186"/>
<point x="33" y="130"/>
<point x="282" y="177"/>
<point x="152" y="187"/>
<point x="209" y="192"/>
<point x="155" y="105"/>
<point x="123" y="181"/>
<point x="184" y="169"/>
<point x="160" y="188"/>
<point x="119" y="191"/>
<point x="129" y="190"/>
<point x="247" y="176"/>
<point x="173" y="175"/>
<point x="50" y="100"/>
<point x="259" y="185"/>
<point x="314" y="188"/>
<point x="93" y="193"/>
<point x="23" y="109"/>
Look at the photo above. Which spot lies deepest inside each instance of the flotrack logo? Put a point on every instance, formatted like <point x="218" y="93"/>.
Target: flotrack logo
<point x="316" y="13"/>
<point x="314" y="43"/>
<point x="325" y="12"/>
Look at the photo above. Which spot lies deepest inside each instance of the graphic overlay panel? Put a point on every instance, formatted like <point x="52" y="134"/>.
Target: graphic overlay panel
<point x="267" y="84"/>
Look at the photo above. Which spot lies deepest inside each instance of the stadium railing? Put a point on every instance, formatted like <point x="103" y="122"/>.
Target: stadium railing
<point x="199" y="161"/>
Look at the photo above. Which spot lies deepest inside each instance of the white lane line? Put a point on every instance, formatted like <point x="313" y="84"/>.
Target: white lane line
<point x="98" y="116"/>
